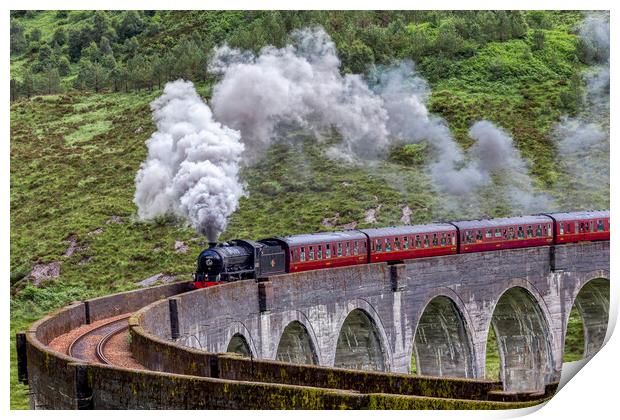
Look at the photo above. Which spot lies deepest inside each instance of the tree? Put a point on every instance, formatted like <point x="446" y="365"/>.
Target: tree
<point x="101" y="26"/>
<point x="157" y="72"/>
<point x="131" y="46"/>
<point x="44" y="59"/>
<point x="188" y="59"/>
<point x="538" y="40"/>
<point x="572" y="98"/>
<point x="419" y="43"/>
<point x="91" y="76"/>
<point x="137" y="71"/>
<point x="118" y="76"/>
<point x="358" y="57"/>
<point x="78" y="39"/>
<point x="14" y="89"/>
<point x="59" y="37"/>
<point x="64" y="67"/>
<point x="35" y="35"/>
<point x="104" y="46"/>
<point x="92" y="53"/>
<point x="18" y="39"/>
<point x="448" y="40"/>
<point x="518" y="25"/>
<point x="28" y="84"/>
<point x="52" y="79"/>
<point x="130" y="26"/>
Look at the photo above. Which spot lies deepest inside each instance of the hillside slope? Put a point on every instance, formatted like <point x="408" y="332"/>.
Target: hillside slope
<point x="74" y="157"/>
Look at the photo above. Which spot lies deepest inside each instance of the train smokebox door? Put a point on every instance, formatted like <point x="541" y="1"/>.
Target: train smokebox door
<point x="272" y="260"/>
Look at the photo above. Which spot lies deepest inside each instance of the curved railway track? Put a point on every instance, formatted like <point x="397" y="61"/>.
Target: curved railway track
<point x="90" y="346"/>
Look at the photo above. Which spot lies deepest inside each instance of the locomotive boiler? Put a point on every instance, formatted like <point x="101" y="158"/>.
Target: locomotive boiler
<point x="238" y="260"/>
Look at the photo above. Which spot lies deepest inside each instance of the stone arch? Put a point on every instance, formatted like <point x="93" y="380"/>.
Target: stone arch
<point x="592" y="302"/>
<point x="368" y="308"/>
<point x="524" y="338"/>
<point x="442" y="342"/>
<point x="238" y="331"/>
<point x="360" y="343"/>
<point x="296" y="346"/>
<point x="238" y="344"/>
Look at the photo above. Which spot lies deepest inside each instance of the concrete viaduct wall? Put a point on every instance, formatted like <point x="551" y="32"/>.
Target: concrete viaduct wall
<point x="367" y="316"/>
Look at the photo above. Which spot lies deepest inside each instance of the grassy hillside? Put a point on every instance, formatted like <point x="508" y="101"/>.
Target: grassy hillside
<point x="74" y="156"/>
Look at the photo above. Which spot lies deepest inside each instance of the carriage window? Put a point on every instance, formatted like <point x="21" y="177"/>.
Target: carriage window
<point x="319" y="253"/>
<point x="453" y="239"/>
<point x="591" y="225"/>
<point x="328" y="252"/>
<point x="378" y="246"/>
<point x="511" y="233"/>
<point x="302" y="254"/>
<point x="549" y="231"/>
<point x="600" y="226"/>
<point x="355" y="248"/>
<point x="340" y="250"/>
<point x="443" y="238"/>
<point x="435" y="240"/>
<point x="489" y="234"/>
<point x="530" y="232"/>
<point x="468" y="237"/>
<point x="405" y="242"/>
<point x="347" y="249"/>
<point x="388" y="245"/>
<point x="478" y="235"/>
<point x="427" y="241"/>
<point x="561" y="228"/>
<point x="520" y="233"/>
<point x="538" y="231"/>
<point x="311" y="254"/>
<point x="498" y="233"/>
<point x="396" y="244"/>
<point x="418" y="243"/>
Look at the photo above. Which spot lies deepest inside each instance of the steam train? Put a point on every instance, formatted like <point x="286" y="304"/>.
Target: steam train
<point x="244" y="259"/>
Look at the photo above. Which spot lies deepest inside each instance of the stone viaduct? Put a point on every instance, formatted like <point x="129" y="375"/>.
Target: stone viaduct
<point x="438" y="310"/>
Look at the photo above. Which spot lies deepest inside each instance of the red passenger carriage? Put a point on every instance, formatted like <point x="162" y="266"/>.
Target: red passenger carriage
<point x="324" y="250"/>
<point x="510" y="232"/>
<point x="581" y="226"/>
<point x="406" y="242"/>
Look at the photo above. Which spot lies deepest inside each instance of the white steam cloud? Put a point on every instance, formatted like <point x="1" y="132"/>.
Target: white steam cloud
<point x="583" y="140"/>
<point x="192" y="165"/>
<point x="301" y="84"/>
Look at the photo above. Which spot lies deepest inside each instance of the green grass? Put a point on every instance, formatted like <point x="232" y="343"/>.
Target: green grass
<point x="574" y="346"/>
<point x="492" y="362"/>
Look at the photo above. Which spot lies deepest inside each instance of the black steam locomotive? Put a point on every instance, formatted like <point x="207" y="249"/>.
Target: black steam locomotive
<point x="238" y="260"/>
